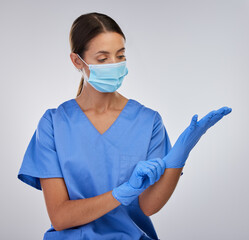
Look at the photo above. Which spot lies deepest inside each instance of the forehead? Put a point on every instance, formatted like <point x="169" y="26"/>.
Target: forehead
<point x="110" y="41"/>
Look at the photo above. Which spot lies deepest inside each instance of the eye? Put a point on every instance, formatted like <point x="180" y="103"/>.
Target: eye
<point x="122" y="56"/>
<point x="102" y="60"/>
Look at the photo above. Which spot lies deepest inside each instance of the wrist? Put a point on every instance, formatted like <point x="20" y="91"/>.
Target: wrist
<point x="176" y="157"/>
<point x="125" y="193"/>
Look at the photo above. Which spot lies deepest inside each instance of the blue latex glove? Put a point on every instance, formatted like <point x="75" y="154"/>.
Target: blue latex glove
<point x="144" y="174"/>
<point x="179" y="153"/>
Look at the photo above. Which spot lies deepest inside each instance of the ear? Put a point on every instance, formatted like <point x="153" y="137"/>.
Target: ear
<point x="76" y="61"/>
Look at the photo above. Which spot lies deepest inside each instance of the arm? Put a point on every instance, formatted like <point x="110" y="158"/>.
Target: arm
<point x="153" y="199"/>
<point x="65" y="213"/>
<point x="157" y="195"/>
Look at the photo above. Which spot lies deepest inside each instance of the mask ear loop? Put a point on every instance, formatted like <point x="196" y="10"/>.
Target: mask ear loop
<point x="83" y="70"/>
<point x="82" y="60"/>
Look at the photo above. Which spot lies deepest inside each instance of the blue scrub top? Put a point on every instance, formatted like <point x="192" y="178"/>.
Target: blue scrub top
<point x="65" y="144"/>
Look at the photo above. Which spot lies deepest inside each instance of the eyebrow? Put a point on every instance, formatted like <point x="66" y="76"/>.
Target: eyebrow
<point x="109" y="52"/>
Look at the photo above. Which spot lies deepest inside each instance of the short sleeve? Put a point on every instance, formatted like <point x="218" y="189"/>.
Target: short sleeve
<point x="40" y="159"/>
<point x="160" y="144"/>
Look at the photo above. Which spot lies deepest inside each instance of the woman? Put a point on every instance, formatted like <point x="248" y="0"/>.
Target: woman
<point x="101" y="159"/>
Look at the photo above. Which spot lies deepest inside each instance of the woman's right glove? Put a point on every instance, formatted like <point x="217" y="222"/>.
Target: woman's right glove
<point x="179" y="153"/>
<point x="144" y="174"/>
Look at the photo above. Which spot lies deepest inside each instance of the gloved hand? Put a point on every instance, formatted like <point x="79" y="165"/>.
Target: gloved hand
<point x="179" y="153"/>
<point x="145" y="173"/>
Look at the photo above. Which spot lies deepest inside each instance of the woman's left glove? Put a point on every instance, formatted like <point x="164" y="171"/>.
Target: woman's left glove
<point x="179" y="153"/>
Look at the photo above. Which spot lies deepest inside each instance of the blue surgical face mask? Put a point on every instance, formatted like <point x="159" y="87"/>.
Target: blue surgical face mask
<point x="106" y="77"/>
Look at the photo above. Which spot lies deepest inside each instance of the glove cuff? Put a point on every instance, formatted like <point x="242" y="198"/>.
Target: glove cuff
<point x="125" y="193"/>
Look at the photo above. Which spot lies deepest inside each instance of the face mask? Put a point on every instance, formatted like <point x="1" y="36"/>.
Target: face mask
<point x="106" y="77"/>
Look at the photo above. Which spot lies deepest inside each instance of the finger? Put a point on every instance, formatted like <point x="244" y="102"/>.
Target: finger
<point x="215" y="113"/>
<point x="225" y="110"/>
<point x="163" y="163"/>
<point x="146" y="182"/>
<point x="145" y="171"/>
<point x="137" y="182"/>
<point x="160" y="162"/>
<point x="228" y="111"/>
<point x="193" y="121"/>
<point x="141" y="171"/>
<point x="142" y="176"/>
<point x="150" y="175"/>
<point x="148" y="163"/>
<point x="218" y="115"/>
<point x="204" y="121"/>
<point x="156" y="168"/>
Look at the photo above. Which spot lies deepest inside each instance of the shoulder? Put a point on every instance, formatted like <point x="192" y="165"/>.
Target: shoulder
<point x="148" y="112"/>
<point x="53" y="113"/>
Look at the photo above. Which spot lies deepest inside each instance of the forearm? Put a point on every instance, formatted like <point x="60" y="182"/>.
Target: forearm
<point x="156" y="196"/>
<point x="82" y="211"/>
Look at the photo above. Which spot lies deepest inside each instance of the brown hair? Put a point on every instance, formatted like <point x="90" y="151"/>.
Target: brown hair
<point x="85" y="28"/>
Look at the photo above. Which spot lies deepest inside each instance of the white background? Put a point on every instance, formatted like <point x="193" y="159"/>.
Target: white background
<point x="184" y="57"/>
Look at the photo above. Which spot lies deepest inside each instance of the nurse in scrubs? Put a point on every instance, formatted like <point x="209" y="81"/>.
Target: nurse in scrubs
<point x="104" y="162"/>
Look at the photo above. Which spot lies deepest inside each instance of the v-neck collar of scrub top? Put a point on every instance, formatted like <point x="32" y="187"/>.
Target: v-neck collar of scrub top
<point x="117" y="121"/>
